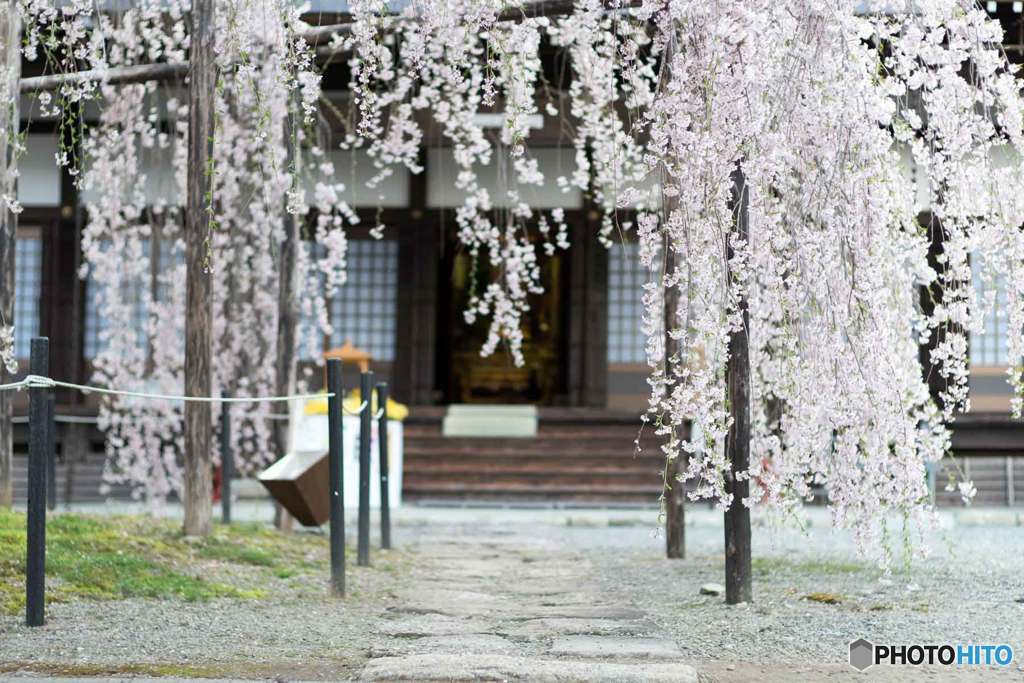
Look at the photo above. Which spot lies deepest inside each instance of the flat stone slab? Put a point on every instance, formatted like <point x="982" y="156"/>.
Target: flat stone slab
<point x="470" y="644"/>
<point x="615" y="646"/>
<point x="435" y="667"/>
<point x="546" y="628"/>
<point x="545" y="587"/>
<point x="588" y="612"/>
<point x="419" y="625"/>
<point x="450" y="602"/>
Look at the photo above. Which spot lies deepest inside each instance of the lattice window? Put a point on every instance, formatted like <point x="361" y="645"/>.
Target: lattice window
<point x="626" y="277"/>
<point x="28" y="270"/>
<point x="365" y="308"/>
<point x="989" y="347"/>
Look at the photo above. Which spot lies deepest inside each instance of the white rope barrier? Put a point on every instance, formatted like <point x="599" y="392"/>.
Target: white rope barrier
<point x="36" y="381"/>
<point x="379" y="414"/>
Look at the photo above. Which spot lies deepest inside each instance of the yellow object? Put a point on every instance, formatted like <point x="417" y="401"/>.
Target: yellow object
<point x="349" y="354"/>
<point x="396" y="411"/>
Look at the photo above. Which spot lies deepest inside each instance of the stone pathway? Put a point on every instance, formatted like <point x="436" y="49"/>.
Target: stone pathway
<point x="516" y="607"/>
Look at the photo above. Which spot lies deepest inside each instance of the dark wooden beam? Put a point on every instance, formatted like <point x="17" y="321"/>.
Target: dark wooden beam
<point x="198" y="297"/>
<point x="140" y="73"/>
<point x="318" y="36"/>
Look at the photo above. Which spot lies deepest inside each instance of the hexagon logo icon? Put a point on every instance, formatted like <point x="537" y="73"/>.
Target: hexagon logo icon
<point x="862" y="654"/>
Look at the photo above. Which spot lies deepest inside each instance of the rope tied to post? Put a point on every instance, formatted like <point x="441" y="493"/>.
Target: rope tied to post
<point x="356" y="412"/>
<point x="29" y="382"/>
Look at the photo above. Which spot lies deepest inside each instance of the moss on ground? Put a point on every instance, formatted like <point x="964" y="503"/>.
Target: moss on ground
<point x="285" y="670"/>
<point x="116" y="557"/>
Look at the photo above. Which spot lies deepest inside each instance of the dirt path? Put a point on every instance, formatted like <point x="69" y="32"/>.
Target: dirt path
<point x="518" y="606"/>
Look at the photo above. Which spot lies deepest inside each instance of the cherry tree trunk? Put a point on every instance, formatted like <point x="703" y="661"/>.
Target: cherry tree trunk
<point x="202" y="83"/>
<point x="675" y="500"/>
<point x="287" y="319"/>
<point x="675" y="511"/>
<point x="10" y="71"/>
<point x="737" y="443"/>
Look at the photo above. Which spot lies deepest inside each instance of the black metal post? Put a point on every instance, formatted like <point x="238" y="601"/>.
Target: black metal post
<point x="39" y="425"/>
<point x="335" y="460"/>
<point x="365" y="424"/>
<point x="382" y="448"/>
<point x="227" y="461"/>
<point x="51" y="454"/>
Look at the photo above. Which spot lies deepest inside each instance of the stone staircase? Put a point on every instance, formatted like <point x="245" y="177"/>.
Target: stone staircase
<point x="577" y="457"/>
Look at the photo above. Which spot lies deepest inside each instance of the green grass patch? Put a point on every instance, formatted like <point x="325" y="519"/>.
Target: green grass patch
<point x="109" y="558"/>
<point x="94" y="670"/>
<point x="768" y="565"/>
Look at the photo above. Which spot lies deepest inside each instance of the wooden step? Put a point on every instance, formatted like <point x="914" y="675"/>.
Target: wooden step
<point x="570" y="460"/>
<point x="415" y="451"/>
<point x="538" y="445"/>
<point x="525" y="477"/>
<point x="577" y="465"/>
<point x="496" y="492"/>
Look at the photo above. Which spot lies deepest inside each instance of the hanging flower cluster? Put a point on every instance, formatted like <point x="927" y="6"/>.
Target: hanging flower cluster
<point x="132" y="242"/>
<point x="756" y="142"/>
<point x="7" y="358"/>
<point x="788" y="116"/>
<point x="456" y="61"/>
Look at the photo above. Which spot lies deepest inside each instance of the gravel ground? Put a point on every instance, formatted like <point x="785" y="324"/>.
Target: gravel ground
<point x="971" y="590"/>
<point x="299" y="633"/>
<point x="968" y="591"/>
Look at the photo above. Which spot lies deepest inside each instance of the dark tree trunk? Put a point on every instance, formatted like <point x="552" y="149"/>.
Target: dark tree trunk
<point x="737" y="443"/>
<point x="202" y="83"/>
<point x="10" y="63"/>
<point x="675" y="510"/>
<point x="287" y="319"/>
<point x="675" y="495"/>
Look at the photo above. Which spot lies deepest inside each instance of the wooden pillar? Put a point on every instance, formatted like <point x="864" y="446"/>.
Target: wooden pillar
<point x="202" y="82"/>
<point x="10" y="122"/>
<point x="930" y="296"/>
<point x="61" y="288"/>
<point x="419" y="255"/>
<point x="595" y="351"/>
<point x="737" y="442"/>
<point x="587" y="343"/>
